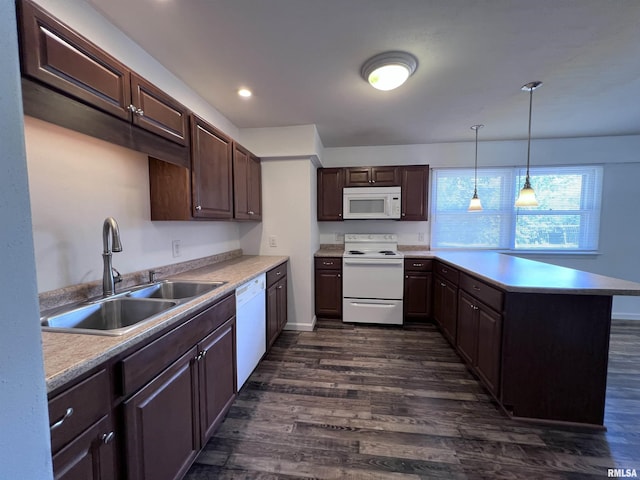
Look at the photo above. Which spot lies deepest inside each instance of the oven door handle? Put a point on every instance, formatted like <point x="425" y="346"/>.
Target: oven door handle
<point x="372" y="261"/>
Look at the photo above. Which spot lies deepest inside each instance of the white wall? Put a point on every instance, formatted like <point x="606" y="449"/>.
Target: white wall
<point x="288" y="214"/>
<point x="619" y="228"/>
<point x="76" y="181"/>
<point x="25" y="450"/>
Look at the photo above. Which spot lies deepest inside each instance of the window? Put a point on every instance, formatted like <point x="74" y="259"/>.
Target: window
<point x="567" y="219"/>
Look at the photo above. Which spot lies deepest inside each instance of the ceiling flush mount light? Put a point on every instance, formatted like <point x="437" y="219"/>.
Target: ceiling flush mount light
<point x="244" y="92"/>
<point x="527" y="197"/>
<point x="389" y="70"/>
<point x="474" y="204"/>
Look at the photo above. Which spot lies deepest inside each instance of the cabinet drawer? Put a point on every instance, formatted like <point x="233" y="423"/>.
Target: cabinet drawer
<point x="487" y="294"/>
<point x="276" y="274"/>
<point x="77" y="408"/>
<point x="328" y="263"/>
<point x="145" y="364"/>
<point x="447" y="272"/>
<point x="418" y="265"/>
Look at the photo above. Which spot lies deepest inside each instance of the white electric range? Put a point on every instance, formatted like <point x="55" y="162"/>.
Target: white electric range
<point x="373" y="279"/>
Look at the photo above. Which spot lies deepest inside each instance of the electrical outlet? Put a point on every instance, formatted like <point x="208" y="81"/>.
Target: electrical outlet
<point x="273" y="242"/>
<point x="421" y="237"/>
<point x="176" y="248"/>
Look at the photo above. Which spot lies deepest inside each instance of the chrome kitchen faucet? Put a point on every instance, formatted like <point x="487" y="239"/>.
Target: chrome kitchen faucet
<point x="110" y="229"/>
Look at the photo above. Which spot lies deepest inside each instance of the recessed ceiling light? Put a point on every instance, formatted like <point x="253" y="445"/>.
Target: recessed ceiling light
<point x="244" y="92"/>
<point x="389" y="70"/>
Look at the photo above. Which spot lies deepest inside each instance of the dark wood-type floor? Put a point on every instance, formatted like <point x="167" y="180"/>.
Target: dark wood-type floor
<point x="367" y="402"/>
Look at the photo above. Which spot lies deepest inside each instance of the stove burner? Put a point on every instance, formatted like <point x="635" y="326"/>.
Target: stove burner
<point x="387" y="252"/>
<point x="355" y="252"/>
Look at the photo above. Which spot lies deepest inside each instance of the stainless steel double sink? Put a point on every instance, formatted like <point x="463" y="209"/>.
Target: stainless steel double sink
<point x="126" y="311"/>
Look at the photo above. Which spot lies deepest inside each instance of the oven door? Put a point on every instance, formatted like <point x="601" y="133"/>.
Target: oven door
<point x="373" y="278"/>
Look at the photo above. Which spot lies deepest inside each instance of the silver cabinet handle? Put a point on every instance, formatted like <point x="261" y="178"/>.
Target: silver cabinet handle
<point x="475" y="287"/>
<point x="444" y="270"/>
<point x="443" y="284"/>
<point x="250" y="212"/>
<point x="140" y="112"/>
<point x="198" y="208"/>
<point x="278" y="273"/>
<point x="418" y="265"/>
<point x="59" y="423"/>
<point x="475" y="307"/>
<point x="107" y="437"/>
<point x="327" y="263"/>
<point x="132" y="108"/>
<point x="279" y="287"/>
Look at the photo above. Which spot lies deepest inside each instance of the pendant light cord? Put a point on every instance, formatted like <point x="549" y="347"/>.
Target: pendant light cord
<point x="475" y="187"/>
<point x="529" y="142"/>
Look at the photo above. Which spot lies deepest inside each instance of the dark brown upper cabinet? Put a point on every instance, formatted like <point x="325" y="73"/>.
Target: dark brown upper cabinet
<point x="371" y="177"/>
<point x="330" y="184"/>
<point x="415" y="187"/>
<point x="203" y="191"/>
<point x="60" y="58"/>
<point x="247" y="185"/>
<point x="211" y="171"/>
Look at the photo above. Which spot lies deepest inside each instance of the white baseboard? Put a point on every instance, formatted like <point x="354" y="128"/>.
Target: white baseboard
<point x="301" y="327"/>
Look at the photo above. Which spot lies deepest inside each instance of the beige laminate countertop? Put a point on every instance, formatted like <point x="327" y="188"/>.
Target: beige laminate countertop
<point x="514" y="274"/>
<point x="69" y="355"/>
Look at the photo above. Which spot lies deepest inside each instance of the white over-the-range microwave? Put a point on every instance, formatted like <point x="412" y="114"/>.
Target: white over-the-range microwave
<point x="364" y="203"/>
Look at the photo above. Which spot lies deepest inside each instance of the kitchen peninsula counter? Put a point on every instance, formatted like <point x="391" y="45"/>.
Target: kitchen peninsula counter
<point x="69" y="355"/>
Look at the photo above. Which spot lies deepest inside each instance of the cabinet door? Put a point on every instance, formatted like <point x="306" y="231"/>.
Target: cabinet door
<point x="157" y="112"/>
<point x="417" y="294"/>
<point x="489" y="348"/>
<point x="59" y="57"/>
<point x="247" y="188"/>
<point x="90" y="456"/>
<point x="217" y="375"/>
<point x="211" y="171"/>
<point x="330" y="184"/>
<point x="467" y="335"/>
<point x="328" y="293"/>
<point x="384" y="176"/>
<point x="161" y="421"/>
<point x="255" y="188"/>
<point x="446" y="307"/>
<point x="357" y="177"/>
<point x="282" y="303"/>
<point x="272" y="314"/>
<point x="415" y="186"/>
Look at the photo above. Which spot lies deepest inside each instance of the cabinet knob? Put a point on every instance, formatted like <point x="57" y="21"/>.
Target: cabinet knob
<point x="59" y="423"/>
<point x="404" y="214"/>
<point x="279" y="287"/>
<point x="475" y="307"/>
<point x="107" y="437"/>
<point x="278" y="274"/>
<point x="250" y="212"/>
<point x="198" y="208"/>
<point x="444" y="270"/>
<point x="406" y="276"/>
<point x="132" y="108"/>
<point x="340" y="215"/>
<point x="339" y="275"/>
<point x="140" y="112"/>
<point x="443" y="284"/>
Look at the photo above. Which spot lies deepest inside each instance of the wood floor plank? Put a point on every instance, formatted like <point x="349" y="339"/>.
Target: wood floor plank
<point x="369" y="402"/>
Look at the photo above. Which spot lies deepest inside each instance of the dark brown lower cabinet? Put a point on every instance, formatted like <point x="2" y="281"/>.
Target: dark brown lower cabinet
<point x="91" y="456"/>
<point x="328" y="287"/>
<point x="276" y="302"/>
<point x="445" y="307"/>
<point x="217" y="378"/>
<point x="418" y="281"/>
<point x="161" y="422"/>
<point x="478" y="339"/>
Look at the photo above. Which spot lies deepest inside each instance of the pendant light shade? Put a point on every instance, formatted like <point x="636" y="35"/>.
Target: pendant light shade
<point x="475" y="204"/>
<point x="527" y="197"/>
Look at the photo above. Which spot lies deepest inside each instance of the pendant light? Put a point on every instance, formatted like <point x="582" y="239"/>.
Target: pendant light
<point x="527" y="197"/>
<point x="474" y="204"/>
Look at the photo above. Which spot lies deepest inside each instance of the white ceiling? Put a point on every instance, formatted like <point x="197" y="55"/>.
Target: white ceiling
<point x="302" y="60"/>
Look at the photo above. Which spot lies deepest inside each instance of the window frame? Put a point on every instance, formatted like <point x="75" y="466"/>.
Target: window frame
<point x="589" y="211"/>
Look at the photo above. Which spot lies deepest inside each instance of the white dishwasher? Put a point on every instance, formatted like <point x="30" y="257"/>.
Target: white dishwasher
<point x="251" y="327"/>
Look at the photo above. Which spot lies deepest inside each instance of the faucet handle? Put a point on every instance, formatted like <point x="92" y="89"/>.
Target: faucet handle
<point x="152" y="276"/>
<point x="117" y="278"/>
